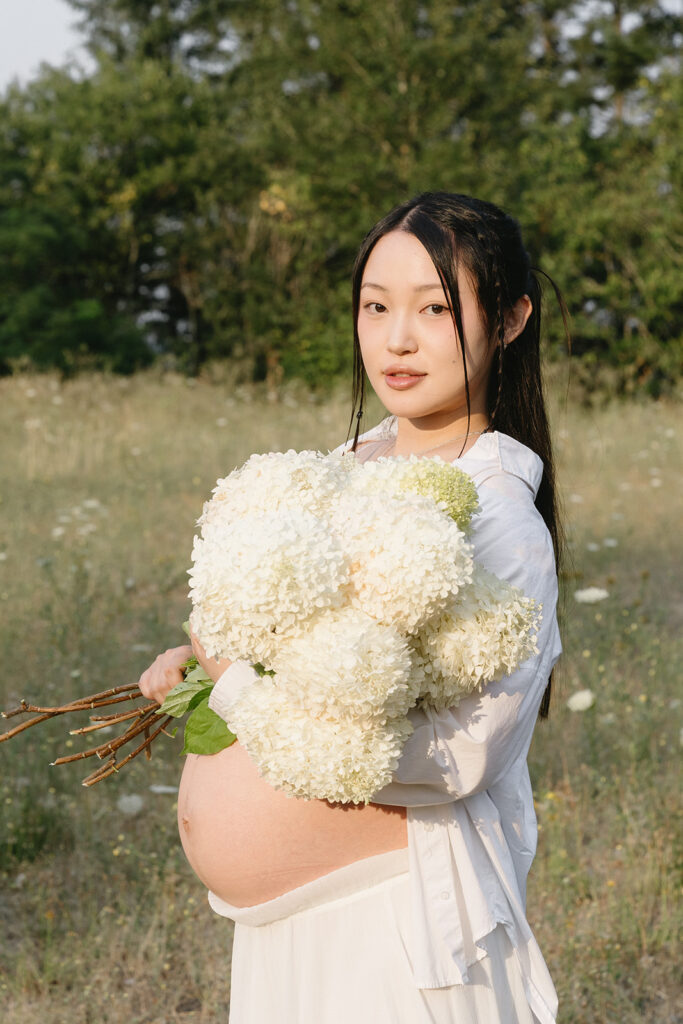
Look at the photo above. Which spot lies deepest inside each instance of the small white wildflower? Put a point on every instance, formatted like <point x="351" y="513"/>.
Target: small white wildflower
<point x="91" y="503"/>
<point x="592" y="546"/>
<point x="221" y="421"/>
<point x="75" y="673"/>
<point x="135" y="452"/>
<point x="590" y="595"/>
<point x="157" y="788"/>
<point x="57" y="400"/>
<point x="610" y="542"/>
<point x="656" y="481"/>
<point x="3" y="556"/>
<point x="30" y="392"/>
<point x="57" y="532"/>
<point x="130" y="803"/>
<point x="581" y="700"/>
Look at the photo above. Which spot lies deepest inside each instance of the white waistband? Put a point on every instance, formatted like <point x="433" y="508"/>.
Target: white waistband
<point x="346" y="881"/>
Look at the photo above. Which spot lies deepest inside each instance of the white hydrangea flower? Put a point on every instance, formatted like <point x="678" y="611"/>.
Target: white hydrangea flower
<point x="343" y="660"/>
<point x="487" y="632"/>
<point x="355" y="584"/>
<point x="308" y="481"/>
<point x="407" y="558"/>
<point x="260" y="579"/>
<point x="314" y="756"/>
<point x="581" y="700"/>
<point x="451" y="489"/>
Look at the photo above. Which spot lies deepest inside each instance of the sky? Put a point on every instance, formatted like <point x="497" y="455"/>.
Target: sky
<point x="32" y="31"/>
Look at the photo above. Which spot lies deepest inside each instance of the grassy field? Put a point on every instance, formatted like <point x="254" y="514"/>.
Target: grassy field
<point x="101" y="482"/>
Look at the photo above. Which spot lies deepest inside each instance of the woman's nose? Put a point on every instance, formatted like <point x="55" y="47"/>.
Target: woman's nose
<point x="401" y="336"/>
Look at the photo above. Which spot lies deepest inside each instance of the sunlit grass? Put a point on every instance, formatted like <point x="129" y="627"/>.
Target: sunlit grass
<point x="102" y="481"/>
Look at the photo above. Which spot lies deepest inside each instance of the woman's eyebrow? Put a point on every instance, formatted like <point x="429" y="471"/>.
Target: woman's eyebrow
<point x="417" y="288"/>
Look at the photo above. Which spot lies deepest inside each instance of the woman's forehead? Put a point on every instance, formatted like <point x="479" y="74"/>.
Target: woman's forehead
<point x="399" y="259"/>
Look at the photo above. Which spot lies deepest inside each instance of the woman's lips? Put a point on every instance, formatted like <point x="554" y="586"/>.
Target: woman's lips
<point x="401" y="381"/>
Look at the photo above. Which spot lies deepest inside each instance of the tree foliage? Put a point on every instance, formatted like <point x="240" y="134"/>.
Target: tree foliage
<point x="203" y="192"/>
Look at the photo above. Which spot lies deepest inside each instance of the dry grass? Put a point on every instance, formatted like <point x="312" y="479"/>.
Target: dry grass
<point x="101" y="481"/>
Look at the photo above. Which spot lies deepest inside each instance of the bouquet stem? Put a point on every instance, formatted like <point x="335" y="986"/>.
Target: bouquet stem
<point x="147" y="719"/>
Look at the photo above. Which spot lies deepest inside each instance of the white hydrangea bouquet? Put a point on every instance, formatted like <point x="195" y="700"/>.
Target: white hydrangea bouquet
<point x="352" y="590"/>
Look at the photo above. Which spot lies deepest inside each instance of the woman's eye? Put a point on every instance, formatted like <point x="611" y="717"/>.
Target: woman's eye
<point x="437" y="308"/>
<point x="378" y="307"/>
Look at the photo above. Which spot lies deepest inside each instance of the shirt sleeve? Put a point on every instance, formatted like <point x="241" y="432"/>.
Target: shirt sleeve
<point x="461" y="751"/>
<point x="227" y="687"/>
<point x="466" y="749"/>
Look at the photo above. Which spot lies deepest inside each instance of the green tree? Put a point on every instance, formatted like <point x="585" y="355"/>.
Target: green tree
<point x="212" y="180"/>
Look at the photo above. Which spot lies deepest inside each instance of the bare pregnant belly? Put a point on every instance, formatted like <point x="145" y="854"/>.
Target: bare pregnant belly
<point x="248" y="842"/>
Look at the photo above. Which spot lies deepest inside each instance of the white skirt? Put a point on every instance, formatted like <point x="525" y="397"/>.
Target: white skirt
<point x="337" y="951"/>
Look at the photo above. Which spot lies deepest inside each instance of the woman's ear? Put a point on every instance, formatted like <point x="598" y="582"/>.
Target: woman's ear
<point x="516" y="318"/>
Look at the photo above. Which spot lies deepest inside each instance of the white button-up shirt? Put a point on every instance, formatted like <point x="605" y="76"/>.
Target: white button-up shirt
<point x="463" y="772"/>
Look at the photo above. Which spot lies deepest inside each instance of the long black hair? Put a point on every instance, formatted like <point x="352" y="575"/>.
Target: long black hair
<point x="460" y="230"/>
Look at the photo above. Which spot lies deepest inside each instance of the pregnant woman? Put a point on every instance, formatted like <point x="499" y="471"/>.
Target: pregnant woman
<point x="412" y="907"/>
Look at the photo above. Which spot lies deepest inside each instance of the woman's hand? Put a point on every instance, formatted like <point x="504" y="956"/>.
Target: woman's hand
<point x="214" y="669"/>
<point x="164" y="673"/>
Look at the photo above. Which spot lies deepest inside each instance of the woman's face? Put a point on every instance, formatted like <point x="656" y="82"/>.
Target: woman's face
<point x="404" y="323"/>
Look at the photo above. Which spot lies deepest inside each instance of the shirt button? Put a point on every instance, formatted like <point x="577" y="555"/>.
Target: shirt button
<point x="445" y="895"/>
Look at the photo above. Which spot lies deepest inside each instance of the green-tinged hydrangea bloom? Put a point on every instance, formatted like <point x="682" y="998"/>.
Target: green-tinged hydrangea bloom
<point x="445" y="483"/>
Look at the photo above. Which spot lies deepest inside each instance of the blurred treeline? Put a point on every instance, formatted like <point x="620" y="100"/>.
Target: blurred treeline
<point x="202" y="193"/>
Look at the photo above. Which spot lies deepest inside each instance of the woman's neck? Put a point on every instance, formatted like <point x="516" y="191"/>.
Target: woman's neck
<point x="412" y="438"/>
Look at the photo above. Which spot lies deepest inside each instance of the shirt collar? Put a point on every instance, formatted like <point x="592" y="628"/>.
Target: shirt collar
<point x="510" y="455"/>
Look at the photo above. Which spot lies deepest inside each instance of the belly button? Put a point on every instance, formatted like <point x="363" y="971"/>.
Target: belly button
<point x="186" y="823"/>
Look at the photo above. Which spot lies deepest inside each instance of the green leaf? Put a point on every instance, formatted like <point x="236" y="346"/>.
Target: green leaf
<point x="206" y="732"/>
<point x="179" y="699"/>
<point x="196" y="674"/>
